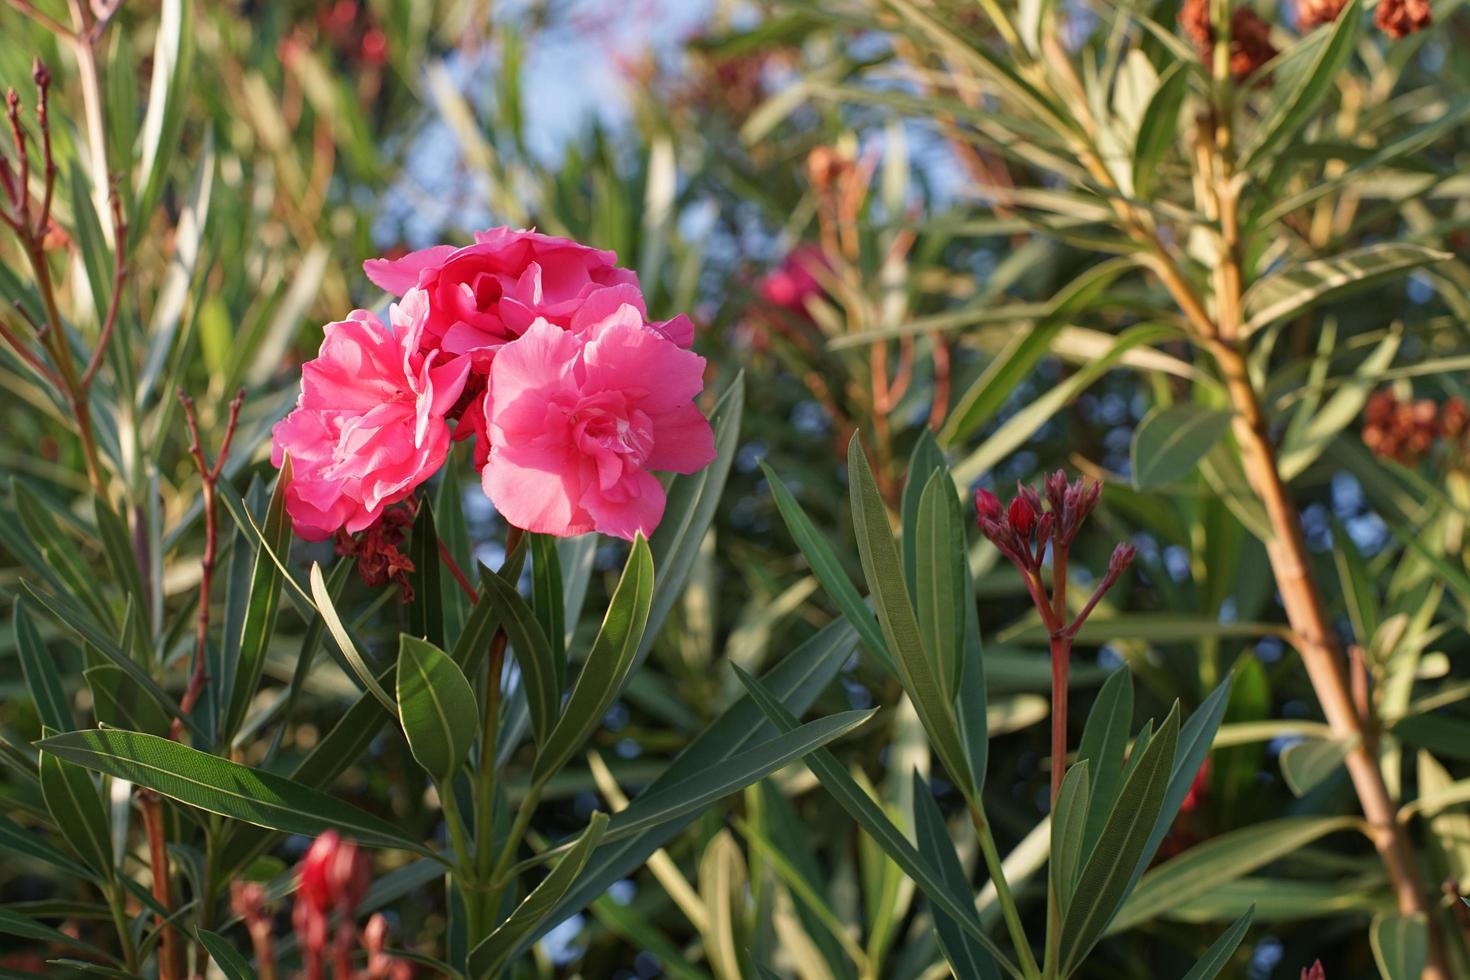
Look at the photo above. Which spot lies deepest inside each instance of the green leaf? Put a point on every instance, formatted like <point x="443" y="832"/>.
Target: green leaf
<point x="1169" y="442"/>
<point x="39" y="669"/>
<point x="24" y="845"/>
<point x="1068" y="830"/>
<point x="967" y="957"/>
<point x="365" y="674"/>
<point x="226" y="788"/>
<point x="1217" y="957"/>
<point x="1306" y="764"/>
<point x="825" y="565"/>
<point x="870" y="816"/>
<point x="1219" y="860"/>
<point x="941" y="578"/>
<point x="1310" y="73"/>
<point x="436" y="707"/>
<point x="12" y="923"/>
<point x="795" y="682"/>
<point x="1286" y="293"/>
<point x="1302" y="445"/>
<point x="117" y="547"/>
<point x="971" y="705"/>
<point x="1104" y="740"/>
<point x="548" y="598"/>
<point x="426" y="611"/>
<point x="607" y="665"/>
<point x="260" y="612"/>
<point x="1400" y="945"/>
<point x="78" y="811"/>
<point x="983" y="399"/>
<point x="1016" y="430"/>
<point x="532" y="651"/>
<point x="695" y="792"/>
<point x="226" y="957"/>
<point x="916" y="665"/>
<point x="924" y="461"/>
<point x="73" y="618"/>
<point x="1158" y="127"/>
<point x="119" y="702"/>
<point x="487" y="959"/>
<point x="1105" y="875"/>
<point x="692" y="501"/>
<point x="55" y="555"/>
<point x="167" y="93"/>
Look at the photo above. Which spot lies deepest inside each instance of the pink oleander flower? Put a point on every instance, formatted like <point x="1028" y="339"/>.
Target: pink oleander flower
<point x="576" y="422"/>
<point x="487" y="294"/>
<point x="791" y="284"/>
<point x="370" y="424"/>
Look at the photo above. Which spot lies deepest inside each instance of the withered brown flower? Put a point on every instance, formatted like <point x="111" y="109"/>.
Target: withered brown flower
<point x="1400" y="18"/>
<point x="1313" y="13"/>
<point x="1250" y="36"/>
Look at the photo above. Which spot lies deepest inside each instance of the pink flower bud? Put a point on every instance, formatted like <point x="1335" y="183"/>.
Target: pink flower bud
<point x="1315" y="972"/>
<point x="987" y="505"/>
<point x="1022" y="516"/>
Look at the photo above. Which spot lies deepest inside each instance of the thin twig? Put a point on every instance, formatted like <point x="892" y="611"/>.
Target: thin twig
<point x="209" y="475"/>
<point x="24" y="352"/>
<point x="119" y="280"/>
<point x="42" y="77"/>
<point x="45" y="20"/>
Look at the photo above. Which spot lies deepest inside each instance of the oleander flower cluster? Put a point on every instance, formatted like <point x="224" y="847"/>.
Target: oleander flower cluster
<point x="538" y="348"/>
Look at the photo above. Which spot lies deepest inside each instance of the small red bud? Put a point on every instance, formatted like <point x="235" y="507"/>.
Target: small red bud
<point x="1315" y="972"/>
<point x="987" y="505"/>
<point x="40" y="74"/>
<point x="1022" y="516"/>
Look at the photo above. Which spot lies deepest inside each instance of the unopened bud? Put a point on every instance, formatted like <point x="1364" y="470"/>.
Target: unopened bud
<point x="1122" y="557"/>
<point x="41" y="74"/>
<point x="1022" y="516"/>
<point x="1314" y="972"/>
<point x="987" y="505"/>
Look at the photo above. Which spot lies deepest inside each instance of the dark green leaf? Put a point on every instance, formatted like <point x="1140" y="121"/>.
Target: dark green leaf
<point x="532" y="650"/>
<point x="118" y="702"/>
<point x="426" y="611"/>
<point x="39" y="669"/>
<point x="1217" y="957"/>
<point x="1400" y="945"/>
<point x="436" y="707"/>
<point x="940" y="579"/>
<point x="966" y="956"/>
<point x="226" y="957"/>
<point x="78" y="811"/>
<point x="607" y="665"/>
<point x="226" y="788"/>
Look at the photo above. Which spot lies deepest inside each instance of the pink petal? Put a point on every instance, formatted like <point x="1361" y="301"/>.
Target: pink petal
<point x="656" y="374"/>
<point x="535" y="488"/>
<point x="639" y="510"/>
<point x="683" y="441"/>
<point x="398" y="276"/>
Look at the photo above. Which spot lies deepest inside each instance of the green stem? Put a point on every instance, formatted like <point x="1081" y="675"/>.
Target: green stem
<point x="514" y="838"/>
<point x="1003" y="893"/>
<point x="117" y="900"/>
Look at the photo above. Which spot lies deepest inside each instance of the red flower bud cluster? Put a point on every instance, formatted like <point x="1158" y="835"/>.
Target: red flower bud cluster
<point x="1315" y="972"/>
<point x="1024" y="529"/>
<point x="334" y="877"/>
<point x="1405" y="431"/>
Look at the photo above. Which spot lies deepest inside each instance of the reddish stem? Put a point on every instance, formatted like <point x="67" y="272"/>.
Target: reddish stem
<point x="171" y="952"/>
<point x="457" y="573"/>
<point x="209" y="478"/>
<point x="1061" y="661"/>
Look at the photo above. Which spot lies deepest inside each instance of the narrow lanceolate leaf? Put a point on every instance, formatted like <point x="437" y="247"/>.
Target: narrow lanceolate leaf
<point x="795" y="683"/>
<point x="915" y="663"/>
<point x="426" y="611"/>
<point x="826" y="566"/>
<point x="548" y="596"/>
<point x="1217" y="957"/>
<point x="1068" y="826"/>
<point x="223" y="787"/>
<point x="489" y="957"/>
<point x="1104" y="739"/>
<point x="733" y="773"/>
<point x="1286" y="293"/>
<point x="1169" y="442"/>
<point x="78" y="812"/>
<point x="119" y="702"/>
<point x="21" y="844"/>
<point x="1311" y="73"/>
<point x="1400" y="945"/>
<point x="225" y="956"/>
<point x="436" y="707"/>
<point x="925" y="460"/>
<point x="532" y="651"/>
<point x="39" y="669"/>
<point x="1223" y="859"/>
<point x="260" y="611"/>
<point x="870" y="816"/>
<point x="117" y="547"/>
<point x="607" y="666"/>
<point x="1157" y="128"/>
<point x="365" y="674"/>
<point x="967" y="957"/>
<point x="1306" y="764"/>
<point x="12" y="923"/>
<point x="1105" y="874"/>
<point x="940" y="579"/>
